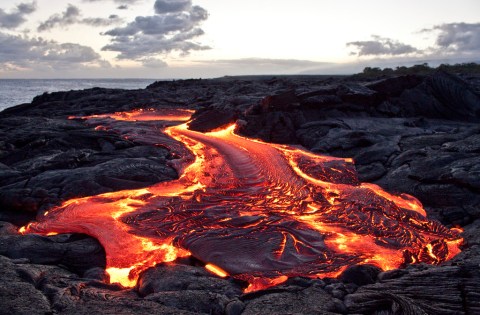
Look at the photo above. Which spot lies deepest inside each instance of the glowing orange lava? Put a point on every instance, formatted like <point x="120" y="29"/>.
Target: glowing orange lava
<point x="251" y="210"/>
<point x="145" y="115"/>
<point x="216" y="270"/>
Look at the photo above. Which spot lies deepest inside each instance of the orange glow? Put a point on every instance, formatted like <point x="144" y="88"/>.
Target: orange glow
<point x="122" y="276"/>
<point x="403" y="201"/>
<point x="453" y="248"/>
<point x="216" y="270"/>
<point x="255" y="211"/>
<point x="262" y="283"/>
<point x="143" y="115"/>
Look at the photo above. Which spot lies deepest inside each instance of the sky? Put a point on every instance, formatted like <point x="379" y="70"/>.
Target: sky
<point x="167" y="39"/>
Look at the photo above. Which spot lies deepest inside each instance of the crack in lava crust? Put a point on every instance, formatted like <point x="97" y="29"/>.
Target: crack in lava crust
<point x="255" y="211"/>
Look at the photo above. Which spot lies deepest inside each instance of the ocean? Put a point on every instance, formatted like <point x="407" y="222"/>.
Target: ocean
<point x="19" y="91"/>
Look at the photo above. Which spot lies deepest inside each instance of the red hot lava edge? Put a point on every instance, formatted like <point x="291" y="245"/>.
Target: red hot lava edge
<point x="251" y="210"/>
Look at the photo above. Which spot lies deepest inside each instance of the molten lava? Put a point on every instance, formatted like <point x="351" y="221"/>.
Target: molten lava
<point x="251" y="210"/>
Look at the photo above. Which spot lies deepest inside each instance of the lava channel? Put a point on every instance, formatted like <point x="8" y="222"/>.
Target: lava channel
<point x="251" y="210"/>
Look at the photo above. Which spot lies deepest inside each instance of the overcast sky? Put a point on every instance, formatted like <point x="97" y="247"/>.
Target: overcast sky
<point x="210" y="38"/>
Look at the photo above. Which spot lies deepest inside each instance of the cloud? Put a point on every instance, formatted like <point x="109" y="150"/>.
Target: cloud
<point x="26" y="52"/>
<point x="255" y="66"/>
<point x="72" y="15"/>
<point x="457" y="37"/>
<point x="122" y="7"/>
<point x="379" y="46"/>
<point x="163" y="24"/>
<point x="17" y="16"/>
<point x="453" y="43"/>
<point x="267" y="62"/>
<point x="154" y="63"/>
<point x="168" y="6"/>
<point x="27" y="8"/>
<point x="172" y="28"/>
<point x="112" y="19"/>
<point x="116" y="1"/>
<point x="145" y="45"/>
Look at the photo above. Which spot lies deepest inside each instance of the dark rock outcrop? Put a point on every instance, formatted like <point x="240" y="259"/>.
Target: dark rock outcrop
<point x="441" y="95"/>
<point x="78" y="253"/>
<point x="211" y="119"/>
<point x="409" y="134"/>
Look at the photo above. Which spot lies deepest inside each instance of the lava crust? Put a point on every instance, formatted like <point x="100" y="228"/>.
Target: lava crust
<point x="248" y="209"/>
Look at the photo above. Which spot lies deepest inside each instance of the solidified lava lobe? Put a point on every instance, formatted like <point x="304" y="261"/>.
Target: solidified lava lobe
<point x="255" y="211"/>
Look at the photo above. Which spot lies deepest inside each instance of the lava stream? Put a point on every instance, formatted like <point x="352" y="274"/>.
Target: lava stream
<point x="255" y="211"/>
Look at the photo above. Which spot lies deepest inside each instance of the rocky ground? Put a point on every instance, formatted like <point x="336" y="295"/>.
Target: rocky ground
<point x="413" y="134"/>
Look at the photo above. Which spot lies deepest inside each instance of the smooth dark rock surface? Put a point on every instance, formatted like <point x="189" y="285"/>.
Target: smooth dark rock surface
<point x="409" y="134"/>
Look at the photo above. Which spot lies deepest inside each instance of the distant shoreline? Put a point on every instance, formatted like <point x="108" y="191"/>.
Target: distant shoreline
<point x="20" y="91"/>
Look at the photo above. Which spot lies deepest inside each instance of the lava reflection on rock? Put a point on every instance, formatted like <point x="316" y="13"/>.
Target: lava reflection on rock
<point x="255" y="211"/>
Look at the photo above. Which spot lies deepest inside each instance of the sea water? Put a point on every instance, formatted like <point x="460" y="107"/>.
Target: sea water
<point x="19" y="91"/>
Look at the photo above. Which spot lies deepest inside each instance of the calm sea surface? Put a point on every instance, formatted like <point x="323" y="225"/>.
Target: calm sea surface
<point x="18" y="91"/>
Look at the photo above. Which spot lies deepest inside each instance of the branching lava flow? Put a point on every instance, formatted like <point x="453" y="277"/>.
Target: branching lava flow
<point x="251" y="210"/>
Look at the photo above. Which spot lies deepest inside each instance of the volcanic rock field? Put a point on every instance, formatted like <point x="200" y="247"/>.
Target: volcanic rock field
<point x="411" y="134"/>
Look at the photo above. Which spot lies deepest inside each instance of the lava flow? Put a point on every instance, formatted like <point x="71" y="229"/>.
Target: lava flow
<point x="255" y="211"/>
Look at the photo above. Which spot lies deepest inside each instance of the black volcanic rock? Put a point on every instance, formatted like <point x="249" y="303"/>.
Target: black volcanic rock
<point x="360" y="274"/>
<point x="79" y="253"/>
<point x="320" y="101"/>
<point x="169" y="277"/>
<point x="18" y="296"/>
<point x="311" y="300"/>
<point x="410" y="134"/>
<point x="356" y="93"/>
<point x="442" y="95"/>
<point x="280" y="101"/>
<point x="456" y="95"/>
<point x="187" y="287"/>
<point x="453" y="287"/>
<point x="276" y="126"/>
<point x="393" y="87"/>
<point x="38" y="289"/>
<point x="211" y="119"/>
<point x="47" y="160"/>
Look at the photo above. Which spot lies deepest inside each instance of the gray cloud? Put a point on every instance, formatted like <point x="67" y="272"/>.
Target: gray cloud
<point x="27" y="8"/>
<point x="68" y="17"/>
<point x="17" y="16"/>
<point x="156" y="25"/>
<point x="112" y="19"/>
<point x="172" y="28"/>
<point x="145" y="45"/>
<point x="72" y="15"/>
<point x="457" y="37"/>
<point x="379" y="46"/>
<point x="198" y="14"/>
<point x="116" y="1"/>
<point x="454" y="42"/>
<point x="71" y="53"/>
<point x="168" y="6"/>
<point x="25" y="52"/>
